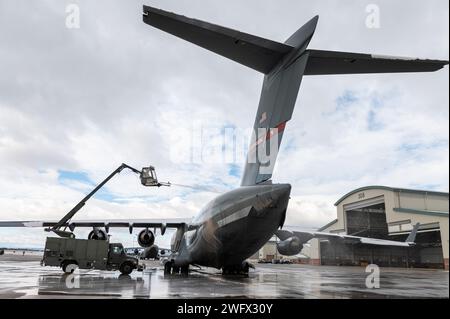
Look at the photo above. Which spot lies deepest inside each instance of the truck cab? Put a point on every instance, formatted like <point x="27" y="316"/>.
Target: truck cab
<point x="118" y="259"/>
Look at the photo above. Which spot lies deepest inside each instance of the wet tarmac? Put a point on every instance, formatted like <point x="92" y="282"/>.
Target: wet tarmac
<point x="25" y="278"/>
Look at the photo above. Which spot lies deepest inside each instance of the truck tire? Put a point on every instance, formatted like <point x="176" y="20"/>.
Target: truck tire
<point x="126" y="268"/>
<point x="68" y="266"/>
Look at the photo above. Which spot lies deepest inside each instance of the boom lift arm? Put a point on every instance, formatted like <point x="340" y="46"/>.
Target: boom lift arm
<point x="147" y="176"/>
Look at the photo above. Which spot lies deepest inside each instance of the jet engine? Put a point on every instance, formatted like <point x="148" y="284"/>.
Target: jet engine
<point x="98" y="234"/>
<point x="146" y="238"/>
<point x="289" y="247"/>
<point x="150" y="252"/>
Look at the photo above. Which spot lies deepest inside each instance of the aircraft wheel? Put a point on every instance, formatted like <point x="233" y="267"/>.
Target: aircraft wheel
<point x="185" y="270"/>
<point x="242" y="269"/>
<point x="245" y="268"/>
<point x="168" y="268"/>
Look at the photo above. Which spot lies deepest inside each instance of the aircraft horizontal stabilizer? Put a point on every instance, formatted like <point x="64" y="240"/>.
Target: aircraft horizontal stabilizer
<point x="333" y="62"/>
<point x="252" y="51"/>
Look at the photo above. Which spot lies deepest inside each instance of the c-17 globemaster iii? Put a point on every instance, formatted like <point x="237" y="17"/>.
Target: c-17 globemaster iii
<point x="235" y="225"/>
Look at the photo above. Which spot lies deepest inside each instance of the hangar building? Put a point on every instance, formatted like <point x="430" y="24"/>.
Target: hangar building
<point x="387" y="213"/>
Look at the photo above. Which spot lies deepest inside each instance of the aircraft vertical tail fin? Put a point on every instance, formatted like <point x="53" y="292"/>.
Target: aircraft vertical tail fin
<point x="412" y="235"/>
<point x="283" y="65"/>
<point x="276" y="105"/>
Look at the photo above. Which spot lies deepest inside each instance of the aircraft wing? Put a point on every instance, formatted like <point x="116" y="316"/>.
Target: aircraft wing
<point x="305" y="236"/>
<point x="332" y="62"/>
<point x="114" y="223"/>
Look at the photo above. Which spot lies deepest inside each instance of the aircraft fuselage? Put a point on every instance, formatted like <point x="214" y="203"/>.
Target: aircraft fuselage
<point x="233" y="226"/>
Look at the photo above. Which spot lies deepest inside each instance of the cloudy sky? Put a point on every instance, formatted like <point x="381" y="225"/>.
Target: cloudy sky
<point x="77" y="102"/>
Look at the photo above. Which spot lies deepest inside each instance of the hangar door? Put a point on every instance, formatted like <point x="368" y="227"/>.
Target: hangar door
<point x="367" y="218"/>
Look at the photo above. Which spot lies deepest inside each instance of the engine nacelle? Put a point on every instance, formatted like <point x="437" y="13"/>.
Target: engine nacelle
<point x="289" y="247"/>
<point x="146" y="238"/>
<point x="150" y="252"/>
<point x="98" y="234"/>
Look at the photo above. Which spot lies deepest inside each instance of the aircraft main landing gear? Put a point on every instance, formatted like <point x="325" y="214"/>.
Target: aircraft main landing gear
<point x="241" y="269"/>
<point x="169" y="269"/>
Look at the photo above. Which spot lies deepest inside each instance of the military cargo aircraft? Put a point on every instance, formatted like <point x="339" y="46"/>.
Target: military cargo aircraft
<point x="235" y="225"/>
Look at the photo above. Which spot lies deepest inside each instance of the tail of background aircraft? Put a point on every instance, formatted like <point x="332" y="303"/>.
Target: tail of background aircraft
<point x="284" y="66"/>
<point x="412" y="235"/>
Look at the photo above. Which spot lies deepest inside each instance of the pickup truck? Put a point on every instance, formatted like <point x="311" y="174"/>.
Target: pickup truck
<point x="70" y="253"/>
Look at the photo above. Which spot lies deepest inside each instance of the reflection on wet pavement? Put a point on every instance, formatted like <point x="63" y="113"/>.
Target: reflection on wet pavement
<point x="20" y="279"/>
